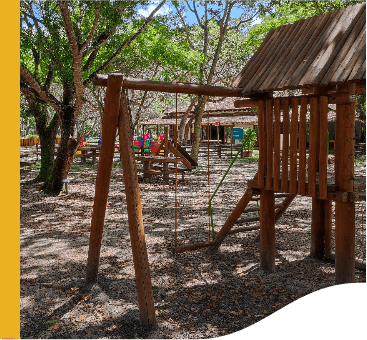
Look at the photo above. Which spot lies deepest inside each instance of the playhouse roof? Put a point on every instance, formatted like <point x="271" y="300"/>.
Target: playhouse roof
<point x="317" y="51"/>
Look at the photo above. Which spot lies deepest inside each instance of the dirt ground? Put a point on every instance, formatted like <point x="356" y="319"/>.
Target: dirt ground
<point x="197" y="294"/>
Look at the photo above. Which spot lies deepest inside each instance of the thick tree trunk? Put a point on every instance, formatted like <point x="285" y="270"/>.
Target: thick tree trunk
<point x="65" y="154"/>
<point x="47" y="139"/>
<point x="47" y="135"/>
<point x="197" y="127"/>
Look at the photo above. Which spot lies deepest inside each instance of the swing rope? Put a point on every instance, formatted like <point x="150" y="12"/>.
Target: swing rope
<point x="209" y="207"/>
<point x="175" y="136"/>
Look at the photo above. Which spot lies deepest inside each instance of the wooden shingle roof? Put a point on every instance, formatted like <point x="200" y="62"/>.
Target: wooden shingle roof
<point x="317" y="51"/>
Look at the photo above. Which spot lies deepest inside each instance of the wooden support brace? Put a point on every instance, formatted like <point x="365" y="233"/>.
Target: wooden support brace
<point x="232" y="219"/>
<point x="135" y="217"/>
<point x="109" y="127"/>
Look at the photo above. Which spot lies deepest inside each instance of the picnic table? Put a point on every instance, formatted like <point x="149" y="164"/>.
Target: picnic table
<point x="84" y="152"/>
<point x="87" y="152"/>
<point x="149" y="169"/>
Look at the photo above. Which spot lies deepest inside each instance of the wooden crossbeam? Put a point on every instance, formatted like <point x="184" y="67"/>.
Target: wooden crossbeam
<point x="161" y="86"/>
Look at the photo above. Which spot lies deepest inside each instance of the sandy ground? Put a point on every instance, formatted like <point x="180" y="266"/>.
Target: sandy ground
<point x="197" y="294"/>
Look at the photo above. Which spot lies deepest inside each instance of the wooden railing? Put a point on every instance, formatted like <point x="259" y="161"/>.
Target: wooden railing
<point x="283" y="165"/>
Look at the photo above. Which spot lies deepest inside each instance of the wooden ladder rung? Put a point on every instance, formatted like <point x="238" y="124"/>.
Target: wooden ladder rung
<point x="250" y="219"/>
<point x="254" y="209"/>
<point x="275" y="196"/>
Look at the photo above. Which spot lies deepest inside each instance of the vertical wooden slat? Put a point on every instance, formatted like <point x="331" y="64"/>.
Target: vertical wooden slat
<point x="323" y="157"/>
<point x="109" y="127"/>
<point x="267" y="230"/>
<point x="262" y="143"/>
<point x="269" y="144"/>
<point x="313" y="146"/>
<point x="276" y="165"/>
<point x="293" y="148"/>
<point x="135" y="217"/>
<point x="285" y="108"/>
<point x="302" y="148"/>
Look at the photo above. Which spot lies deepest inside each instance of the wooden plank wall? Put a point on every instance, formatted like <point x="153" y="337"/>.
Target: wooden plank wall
<point x="287" y="168"/>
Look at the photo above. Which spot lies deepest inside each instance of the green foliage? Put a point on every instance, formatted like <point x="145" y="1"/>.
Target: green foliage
<point x="249" y="139"/>
<point x="32" y="135"/>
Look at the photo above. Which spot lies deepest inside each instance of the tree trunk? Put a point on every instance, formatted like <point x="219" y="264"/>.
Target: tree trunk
<point x="65" y="154"/>
<point x="181" y="128"/>
<point x="47" y="141"/>
<point x="197" y="126"/>
<point x="46" y="134"/>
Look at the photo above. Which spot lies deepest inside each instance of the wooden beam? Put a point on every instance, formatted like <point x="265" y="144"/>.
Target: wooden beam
<point x="109" y="127"/>
<point x="190" y="247"/>
<point x="161" y="86"/>
<point x="135" y="217"/>
<point x="334" y="98"/>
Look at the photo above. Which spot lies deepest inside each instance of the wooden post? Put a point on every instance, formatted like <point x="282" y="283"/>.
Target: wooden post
<point x="321" y="228"/>
<point x="135" y="217"/>
<point x="267" y="230"/>
<point x="344" y="212"/>
<point x="109" y="127"/>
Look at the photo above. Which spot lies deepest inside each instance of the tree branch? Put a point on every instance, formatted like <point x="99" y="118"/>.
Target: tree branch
<point x="126" y="43"/>
<point x="77" y="59"/>
<point x="318" y="8"/>
<point x="44" y="95"/>
<point x="95" y="23"/>
<point x="186" y="29"/>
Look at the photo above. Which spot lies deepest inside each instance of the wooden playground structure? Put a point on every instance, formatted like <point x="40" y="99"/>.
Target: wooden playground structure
<point x="325" y="57"/>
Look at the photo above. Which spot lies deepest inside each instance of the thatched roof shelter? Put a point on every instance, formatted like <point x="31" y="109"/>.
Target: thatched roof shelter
<point x="222" y="112"/>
